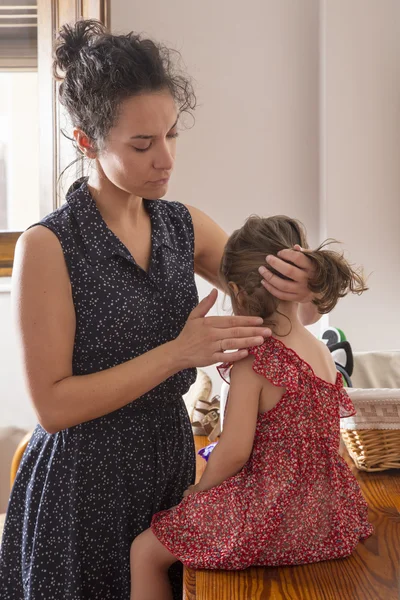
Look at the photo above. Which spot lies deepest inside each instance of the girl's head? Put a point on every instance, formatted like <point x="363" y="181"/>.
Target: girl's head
<point x="246" y="250"/>
<point x="124" y="95"/>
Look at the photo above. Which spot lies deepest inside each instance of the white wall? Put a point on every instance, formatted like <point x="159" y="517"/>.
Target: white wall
<point x="254" y="147"/>
<point x="361" y="149"/>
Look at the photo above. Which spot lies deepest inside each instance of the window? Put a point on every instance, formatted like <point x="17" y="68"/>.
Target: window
<point x="18" y="34"/>
<point x="19" y="150"/>
<point x="32" y="150"/>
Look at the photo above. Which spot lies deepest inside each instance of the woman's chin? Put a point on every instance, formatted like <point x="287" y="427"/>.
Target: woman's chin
<point x="156" y="192"/>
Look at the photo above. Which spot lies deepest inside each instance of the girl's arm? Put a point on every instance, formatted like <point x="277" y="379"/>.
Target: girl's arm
<point x="236" y="442"/>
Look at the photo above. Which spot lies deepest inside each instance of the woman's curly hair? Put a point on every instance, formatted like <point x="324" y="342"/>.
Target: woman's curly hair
<point x="98" y="71"/>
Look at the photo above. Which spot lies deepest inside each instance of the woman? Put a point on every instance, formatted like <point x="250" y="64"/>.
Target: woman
<point x="111" y="331"/>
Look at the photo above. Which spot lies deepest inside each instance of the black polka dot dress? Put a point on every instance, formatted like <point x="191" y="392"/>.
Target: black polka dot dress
<point x="83" y="494"/>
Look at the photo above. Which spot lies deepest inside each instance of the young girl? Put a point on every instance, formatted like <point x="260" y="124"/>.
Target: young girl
<point x="275" y="490"/>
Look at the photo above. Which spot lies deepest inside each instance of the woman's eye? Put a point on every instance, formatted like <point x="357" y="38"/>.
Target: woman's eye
<point x="170" y="135"/>
<point x="141" y="149"/>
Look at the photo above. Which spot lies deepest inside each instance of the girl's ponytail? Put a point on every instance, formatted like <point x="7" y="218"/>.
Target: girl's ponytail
<point x="334" y="277"/>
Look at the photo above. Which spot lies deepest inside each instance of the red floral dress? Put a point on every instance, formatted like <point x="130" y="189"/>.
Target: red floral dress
<point x="295" y="501"/>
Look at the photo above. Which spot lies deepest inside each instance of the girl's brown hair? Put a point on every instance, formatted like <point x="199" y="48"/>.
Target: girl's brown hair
<point x="246" y="250"/>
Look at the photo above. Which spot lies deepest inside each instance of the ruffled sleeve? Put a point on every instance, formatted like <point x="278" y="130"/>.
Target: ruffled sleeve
<point x="274" y="361"/>
<point x="346" y="406"/>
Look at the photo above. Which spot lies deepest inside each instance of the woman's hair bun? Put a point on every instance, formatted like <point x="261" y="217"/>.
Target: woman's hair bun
<point x="71" y="39"/>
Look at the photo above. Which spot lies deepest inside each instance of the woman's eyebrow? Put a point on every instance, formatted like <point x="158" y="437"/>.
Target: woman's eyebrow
<point x="150" y="137"/>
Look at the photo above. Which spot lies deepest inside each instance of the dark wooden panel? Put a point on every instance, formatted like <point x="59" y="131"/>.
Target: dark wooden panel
<point x="371" y="573"/>
<point x="8" y="239"/>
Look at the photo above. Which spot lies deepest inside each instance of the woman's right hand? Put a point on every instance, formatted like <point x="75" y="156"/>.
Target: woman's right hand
<point x="203" y="340"/>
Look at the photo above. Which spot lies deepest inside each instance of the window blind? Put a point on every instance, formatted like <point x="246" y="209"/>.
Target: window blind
<point x="18" y="35"/>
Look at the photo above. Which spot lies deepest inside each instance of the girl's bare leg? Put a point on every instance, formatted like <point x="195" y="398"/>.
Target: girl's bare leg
<point x="150" y="561"/>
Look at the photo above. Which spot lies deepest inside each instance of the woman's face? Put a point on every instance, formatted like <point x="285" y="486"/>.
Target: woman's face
<point x="138" y="154"/>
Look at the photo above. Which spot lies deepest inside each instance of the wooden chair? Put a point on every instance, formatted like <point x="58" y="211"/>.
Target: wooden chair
<point x="13" y="471"/>
<point x="17" y="456"/>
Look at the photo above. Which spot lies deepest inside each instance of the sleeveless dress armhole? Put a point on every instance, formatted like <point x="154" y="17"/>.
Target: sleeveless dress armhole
<point x="224" y="370"/>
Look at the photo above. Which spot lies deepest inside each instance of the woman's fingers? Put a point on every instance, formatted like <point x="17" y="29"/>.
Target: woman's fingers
<point x="205" y="305"/>
<point x="297" y="256"/>
<point x="295" y="287"/>
<point x="232" y="321"/>
<point x="232" y="343"/>
<point x="230" y="356"/>
<point x="243" y="333"/>
<point x="288" y="295"/>
<point x="222" y="332"/>
<point x="293" y="272"/>
<point x="203" y="340"/>
<point x="288" y="291"/>
<point x="283" y="285"/>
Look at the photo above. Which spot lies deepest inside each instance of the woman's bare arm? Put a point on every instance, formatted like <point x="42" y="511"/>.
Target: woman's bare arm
<point x="210" y="242"/>
<point x="45" y="318"/>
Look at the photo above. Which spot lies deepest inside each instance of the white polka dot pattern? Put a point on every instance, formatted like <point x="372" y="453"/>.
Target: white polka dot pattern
<point x="83" y="494"/>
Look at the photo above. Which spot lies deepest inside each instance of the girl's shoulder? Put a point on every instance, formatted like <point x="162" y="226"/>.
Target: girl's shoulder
<point x="271" y="360"/>
<point x="276" y="363"/>
<point x="283" y="365"/>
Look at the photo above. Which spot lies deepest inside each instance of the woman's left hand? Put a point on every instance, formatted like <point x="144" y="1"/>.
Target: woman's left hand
<point x="300" y="272"/>
<point x="191" y="490"/>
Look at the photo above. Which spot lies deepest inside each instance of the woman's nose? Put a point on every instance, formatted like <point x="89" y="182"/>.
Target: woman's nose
<point x="164" y="159"/>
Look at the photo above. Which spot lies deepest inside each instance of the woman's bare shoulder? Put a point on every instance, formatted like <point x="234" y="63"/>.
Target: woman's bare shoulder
<point x="39" y="257"/>
<point x="38" y="234"/>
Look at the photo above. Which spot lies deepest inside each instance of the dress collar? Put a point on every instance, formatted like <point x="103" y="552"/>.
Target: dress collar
<point x="100" y="242"/>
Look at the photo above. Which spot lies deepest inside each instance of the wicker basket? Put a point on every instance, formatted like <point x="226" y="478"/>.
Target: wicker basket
<point x="372" y="436"/>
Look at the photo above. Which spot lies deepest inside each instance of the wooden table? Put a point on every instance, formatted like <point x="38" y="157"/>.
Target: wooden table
<point x="371" y="573"/>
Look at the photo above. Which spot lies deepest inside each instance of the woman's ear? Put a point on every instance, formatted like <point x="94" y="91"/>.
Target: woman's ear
<point x="84" y="143"/>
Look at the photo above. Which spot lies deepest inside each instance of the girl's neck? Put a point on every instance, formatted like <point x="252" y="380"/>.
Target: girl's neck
<point x="286" y="319"/>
